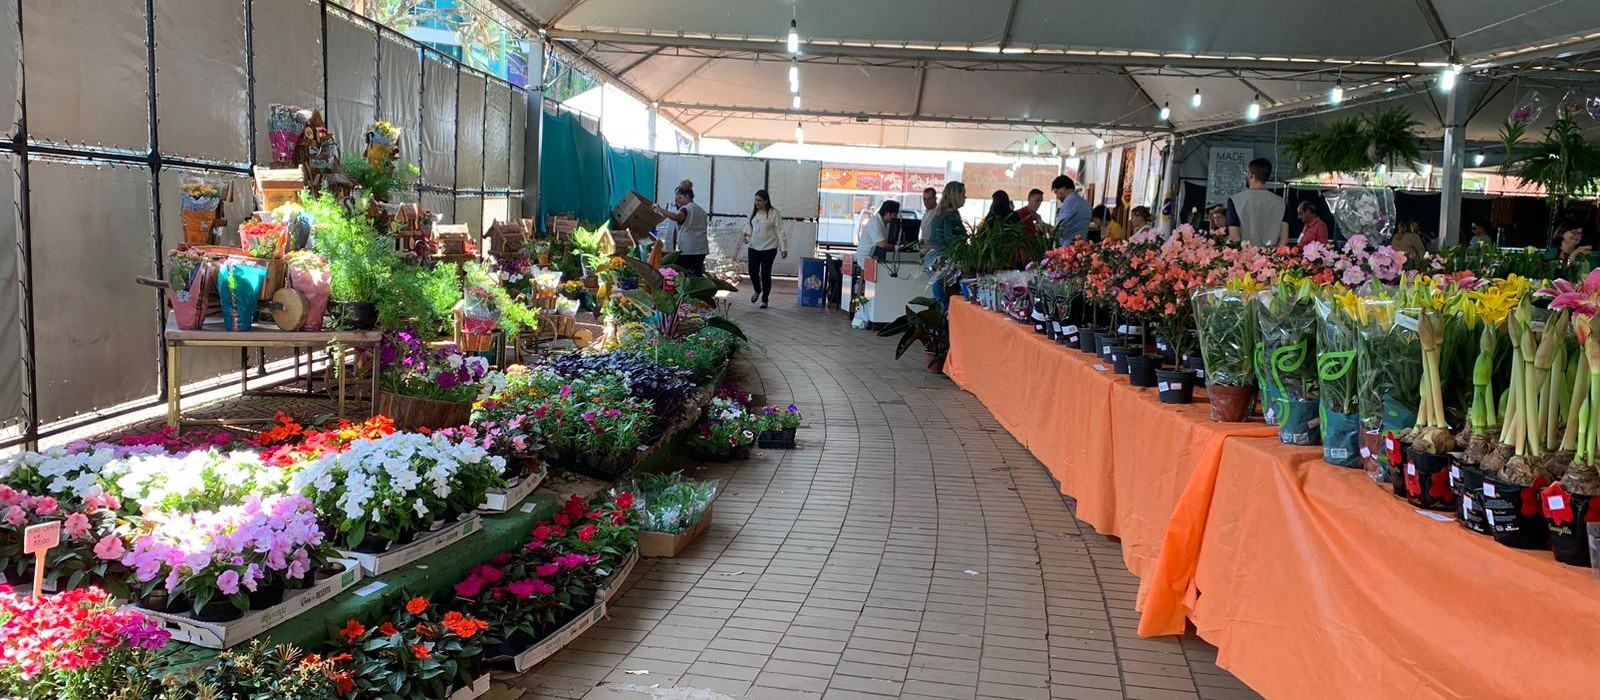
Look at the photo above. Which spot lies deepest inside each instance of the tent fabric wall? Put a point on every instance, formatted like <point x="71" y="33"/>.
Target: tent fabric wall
<point x="13" y="373"/>
<point x="469" y="211"/>
<point x="734" y="182"/>
<point x="519" y="137"/>
<point x="673" y="169"/>
<point x="794" y="187"/>
<point x="497" y="137"/>
<point x="352" y="80"/>
<point x="572" y="173"/>
<point x="202" y="92"/>
<point x="469" y="131"/>
<point x="288" y="59"/>
<point x="73" y="100"/>
<point x="438" y="123"/>
<point x="400" y="91"/>
<point x="10" y="71"/>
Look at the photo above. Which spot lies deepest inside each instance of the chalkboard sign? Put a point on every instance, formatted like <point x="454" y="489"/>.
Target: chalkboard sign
<point x="1226" y="175"/>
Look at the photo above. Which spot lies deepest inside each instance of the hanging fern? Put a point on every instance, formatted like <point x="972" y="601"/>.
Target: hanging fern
<point x="1355" y="144"/>
<point x="1391" y="137"/>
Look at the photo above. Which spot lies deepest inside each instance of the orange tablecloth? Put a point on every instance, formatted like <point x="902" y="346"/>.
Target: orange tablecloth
<point x="1312" y="581"/>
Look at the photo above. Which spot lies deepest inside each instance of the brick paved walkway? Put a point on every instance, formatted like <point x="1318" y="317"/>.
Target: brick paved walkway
<point x="911" y="548"/>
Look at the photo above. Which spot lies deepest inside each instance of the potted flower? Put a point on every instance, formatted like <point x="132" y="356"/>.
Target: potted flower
<point x="1286" y="325"/>
<point x="198" y="201"/>
<point x="929" y="326"/>
<point x="420" y="652"/>
<point x="1227" y="341"/>
<point x="260" y="672"/>
<point x="81" y="559"/>
<point x="95" y="650"/>
<point x="189" y="273"/>
<point x="361" y="265"/>
<point x="427" y="387"/>
<point x="1338" y="345"/>
<point x="725" y="433"/>
<point x="266" y="243"/>
<point x="672" y="511"/>
<point x="776" y="427"/>
<point x="309" y="275"/>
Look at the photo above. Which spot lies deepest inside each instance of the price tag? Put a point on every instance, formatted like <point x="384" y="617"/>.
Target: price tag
<point x="1455" y="475"/>
<point x="1388" y="443"/>
<point x="527" y="507"/>
<point x="1069" y="330"/>
<point x="1411" y="468"/>
<point x="1556" y="502"/>
<point x="1489" y="491"/>
<point x="1162" y="386"/>
<point x="1405" y="321"/>
<point x="1489" y="515"/>
<point x="1100" y="368"/>
<point x="1366" y="453"/>
<point x="1466" y="503"/>
<point x="1200" y="374"/>
<point x="371" y="588"/>
<point x="42" y="537"/>
<point x="1055" y="326"/>
<point x="1434" y="516"/>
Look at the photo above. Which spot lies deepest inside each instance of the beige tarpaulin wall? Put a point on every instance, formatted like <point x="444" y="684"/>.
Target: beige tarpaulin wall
<point x="100" y="212"/>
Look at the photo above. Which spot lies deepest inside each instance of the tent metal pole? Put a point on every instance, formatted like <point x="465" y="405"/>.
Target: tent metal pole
<point x="533" y="134"/>
<point x="1457" y="108"/>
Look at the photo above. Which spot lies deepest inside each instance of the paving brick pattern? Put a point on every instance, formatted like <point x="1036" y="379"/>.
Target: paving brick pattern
<point x="910" y="549"/>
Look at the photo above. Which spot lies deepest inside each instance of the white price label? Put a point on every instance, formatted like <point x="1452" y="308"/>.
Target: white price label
<point x="1455" y="474"/>
<point x="1069" y="330"/>
<point x="371" y="588"/>
<point x="1055" y="326"/>
<point x="1200" y="374"/>
<point x="1162" y="386"/>
<point x="1406" y="321"/>
<point x="1366" y="453"/>
<point x="1489" y="515"/>
<point x="1411" y="468"/>
<point x="1555" y="502"/>
<point x="1100" y="368"/>
<point x="1489" y="491"/>
<point x="527" y="507"/>
<point x="1466" y="504"/>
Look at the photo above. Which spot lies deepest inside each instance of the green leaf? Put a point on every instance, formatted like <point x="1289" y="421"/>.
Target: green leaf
<point x="728" y="325"/>
<point x="649" y="277"/>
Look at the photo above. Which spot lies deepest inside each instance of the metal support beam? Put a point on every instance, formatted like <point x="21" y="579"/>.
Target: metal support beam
<point x="1455" y="162"/>
<point x="890" y="116"/>
<point x="1430" y="14"/>
<point x="922" y="87"/>
<point x="652" y="53"/>
<point x="650" y="127"/>
<point x="691" y="75"/>
<point x="533" y="135"/>
<point x="1005" y="34"/>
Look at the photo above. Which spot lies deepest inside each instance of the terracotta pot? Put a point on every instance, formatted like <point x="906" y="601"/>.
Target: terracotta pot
<point x="1231" y="404"/>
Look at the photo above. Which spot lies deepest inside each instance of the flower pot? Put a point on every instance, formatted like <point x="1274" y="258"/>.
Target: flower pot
<point x="778" y="440"/>
<point x="313" y="283"/>
<point x="1514" y="513"/>
<point x="1142" y="370"/>
<point x="933" y="362"/>
<point x="268" y="593"/>
<point x="1089" y="340"/>
<point x="1231" y="404"/>
<point x="1298" y="423"/>
<point x="374" y="544"/>
<point x="406" y="537"/>
<point x="217" y="610"/>
<point x="1341" y="437"/>
<point x="1069" y="335"/>
<point x="1467" y="481"/>
<point x="1119" y="358"/>
<point x="1175" y="386"/>
<point x="1104" y="342"/>
<point x="239" y="286"/>
<point x="1198" y="364"/>
<point x="157" y="600"/>
<point x="359" y="315"/>
<point x="1427" y="480"/>
<point x="518" y="466"/>
<point x="300" y="584"/>
<point x="411" y="413"/>
<point x="1568" y="516"/>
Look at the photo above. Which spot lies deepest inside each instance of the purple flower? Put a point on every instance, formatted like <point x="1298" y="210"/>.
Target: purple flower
<point x="566" y="391"/>
<point x="228" y="582"/>
<point x="447" y="380"/>
<point x="793" y="409"/>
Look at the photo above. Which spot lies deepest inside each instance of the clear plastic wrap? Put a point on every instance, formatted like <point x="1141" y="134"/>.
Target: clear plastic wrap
<point x="1338" y="344"/>
<point x="1365" y="211"/>
<point x="1286" y="339"/>
<point x="1390" y="372"/>
<point x="1226" y="322"/>
<point x="479" y="314"/>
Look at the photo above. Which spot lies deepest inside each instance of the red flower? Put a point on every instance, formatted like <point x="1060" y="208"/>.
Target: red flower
<point x="562" y="519"/>
<point x="352" y="630"/>
<point x="624" y="500"/>
<point x="421" y="652"/>
<point x="388" y="630"/>
<point x="586" y="533"/>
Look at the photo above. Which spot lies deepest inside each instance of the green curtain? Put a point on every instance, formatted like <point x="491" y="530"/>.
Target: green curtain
<point x="572" y="171"/>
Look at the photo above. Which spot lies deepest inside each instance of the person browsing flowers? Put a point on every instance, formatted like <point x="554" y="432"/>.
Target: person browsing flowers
<point x="764" y="234"/>
<point x="690" y="224"/>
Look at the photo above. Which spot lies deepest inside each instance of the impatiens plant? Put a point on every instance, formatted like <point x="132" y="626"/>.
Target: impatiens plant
<point x="77" y="645"/>
<point x="89" y="546"/>
<point x="421" y="652"/>
<point x="259" y="672"/>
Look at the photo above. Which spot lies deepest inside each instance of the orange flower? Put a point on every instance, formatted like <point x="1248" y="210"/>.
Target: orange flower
<point x="417" y="606"/>
<point x="463" y="626"/>
<point x="352" y="630"/>
<point x="424" y="631"/>
<point x="388" y="630"/>
<point x="421" y="652"/>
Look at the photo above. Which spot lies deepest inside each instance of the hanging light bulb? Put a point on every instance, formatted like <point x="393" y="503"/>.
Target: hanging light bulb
<point x="1336" y="95"/>
<point x="1447" y="78"/>
<point x="800" y="133"/>
<point x="1252" y="111"/>
<point x="1099" y="143"/>
<point x="1195" y="101"/>
<point x="1072" y="151"/>
<point x="795" y="103"/>
<point x="1478" y="159"/>
<point x="794" y="77"/>
<point x="794" y="36"/>
<point x="1166" y="112"/>
<point x="1055" y="151"/>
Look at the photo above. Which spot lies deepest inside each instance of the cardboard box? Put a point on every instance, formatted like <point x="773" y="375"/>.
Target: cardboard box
<point x="636" y="214"/>
<point x="427" y="543"/>
<point x="225" y="635"/>
<point x="479" y="687"/>
<point x="613" y="584"/>
<point x="664" y="544"/>
<point x="503" y="500"/>
<point x="279" y="186"/>
<point x="547" y="647"/>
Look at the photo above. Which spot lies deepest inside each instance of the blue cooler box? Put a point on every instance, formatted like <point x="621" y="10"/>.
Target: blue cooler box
<point x="812" y="282"/>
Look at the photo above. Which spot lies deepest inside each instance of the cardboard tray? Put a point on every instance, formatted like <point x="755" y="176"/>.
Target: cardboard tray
<point x="225" y="635"/>
<point x="503" y="500"/>
<point x="427" y="543"/>
<point x="613" y="583"/>
<point x="479" y="687"/>
<point x="547" y="647"/>
<point x="663" y="544"/>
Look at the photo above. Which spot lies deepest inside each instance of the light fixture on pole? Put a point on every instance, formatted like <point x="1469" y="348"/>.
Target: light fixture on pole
<point x="1055" y="151"/>
<point x="1195" y="101"/>
<point x="1252" y="111"/>
<point x="1336" y="95"/>
<point x="794" y="77"/>
<point x="1447" y="77"/>
<point x="1166" y="112"/>
<point x="795" y="103"/>
<point x="800" y="133"/>
<point x="794" y="36"/>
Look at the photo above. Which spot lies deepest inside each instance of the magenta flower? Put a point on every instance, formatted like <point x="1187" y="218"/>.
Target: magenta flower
<point x="546" y="570"/>
<point x="523" y="589"/>
<point x="228" y="582"/>
<point x="470" y="588"/>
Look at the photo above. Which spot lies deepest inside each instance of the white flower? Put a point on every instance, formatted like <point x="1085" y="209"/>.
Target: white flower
<point x="421" y="508"/>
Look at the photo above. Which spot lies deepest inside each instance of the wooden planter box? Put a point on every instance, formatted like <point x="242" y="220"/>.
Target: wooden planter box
<point x="666" y="544"/>
<point x="412" y="413"/>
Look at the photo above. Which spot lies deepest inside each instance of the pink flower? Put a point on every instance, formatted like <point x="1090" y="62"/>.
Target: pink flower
<point x="46" y="505"/>
<point x="109" y="548"/>
<point x="546" y="570"/>
<point x="470" y="588"/>
<point x="15" y="517"/>
<point x="228" y="582"/>
<point x="489" y="574"/>
<point x="77" y="525"/>
<point x="522" y="589"/>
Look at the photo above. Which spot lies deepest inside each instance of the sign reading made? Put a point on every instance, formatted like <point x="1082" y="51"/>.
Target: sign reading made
<point x="1226" y="175"/>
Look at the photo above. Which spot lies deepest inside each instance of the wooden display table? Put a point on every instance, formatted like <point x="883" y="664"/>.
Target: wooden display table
<point x="213" y="336"/>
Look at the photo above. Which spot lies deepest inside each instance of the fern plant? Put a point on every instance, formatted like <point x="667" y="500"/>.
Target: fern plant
<point x="1564" y="164"/>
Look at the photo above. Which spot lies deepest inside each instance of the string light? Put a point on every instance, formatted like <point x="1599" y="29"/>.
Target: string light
<point x="1166" y="112"/>
<point x="1195" y="101"/>
<point x="795" y="104"/>
<point x="1447" y="77"/>
<point x="1055" y="151"/>
<point x="1252" y="112"/>
<point x="794" y="36"/>
<point x="1099" y="143"/>
<point x="794" y="77"/>
<point x="1336" y="95"/>
<point x="1072" y="150"/>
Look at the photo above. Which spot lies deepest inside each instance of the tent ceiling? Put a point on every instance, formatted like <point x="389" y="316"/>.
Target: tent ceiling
<point x="956" y="73"/>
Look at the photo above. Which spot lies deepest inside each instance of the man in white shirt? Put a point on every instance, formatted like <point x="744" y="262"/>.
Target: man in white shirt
<point x="875" y="236"/>
<point x="930" y="199"/>
<point x="1255" y="215"/>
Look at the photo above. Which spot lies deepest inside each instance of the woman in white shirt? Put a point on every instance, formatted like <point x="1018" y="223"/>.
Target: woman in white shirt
<point x="690" y="221"/>
<point x="764" y="234"/>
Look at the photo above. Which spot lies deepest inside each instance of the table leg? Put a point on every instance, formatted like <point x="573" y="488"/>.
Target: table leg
<point x="174" y="386"/>
<point x="342" y="378"/>
<point x="244" y="371"/>
<point x="373" y="407"/>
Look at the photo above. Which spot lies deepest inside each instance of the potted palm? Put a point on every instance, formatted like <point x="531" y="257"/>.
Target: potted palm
<point x="929" y="326"/>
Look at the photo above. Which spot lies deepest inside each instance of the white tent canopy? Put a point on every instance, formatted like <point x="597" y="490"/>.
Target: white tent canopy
<point x="956" y="74"/>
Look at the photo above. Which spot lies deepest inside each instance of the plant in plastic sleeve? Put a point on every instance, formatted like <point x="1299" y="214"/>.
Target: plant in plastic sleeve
<point x="1338" y="344"/>
<point x="1364" y="211"/>
<point x="1390" y="371"/>
<point x="1286" y="325"/>
<point x="1227" y="333"/>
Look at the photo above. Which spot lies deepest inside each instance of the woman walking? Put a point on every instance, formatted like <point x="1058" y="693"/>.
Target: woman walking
<point x="946" y="228"/>
<point x="689" y="222"/>
<point x="764" y="234"/>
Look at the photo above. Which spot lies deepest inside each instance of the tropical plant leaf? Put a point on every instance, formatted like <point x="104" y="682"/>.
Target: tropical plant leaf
<point x="725" y="324"/>
<point x="649" y="277"/>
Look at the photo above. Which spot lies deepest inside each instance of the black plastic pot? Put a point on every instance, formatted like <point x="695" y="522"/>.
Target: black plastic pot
<point x="1198" y="365"/>
<point x="1104" y="342"/>
<point x="1069" y="335"/>
<point x="217" y="610"/>
<point x="374" y="544"/>
<point x="1119" y="358"/>
<point x="158" y="600"/>
<point x="779" y="440"/>
<point x="1514" y="515"/>
<point x="1567" y="515"/>
<point x="1142" y="370"/>
<point x="1089" y="340"/>
<point x="359" y="315"/>
<point x="1175" y="386"/>
<point x="267" y="594"/>
<point x="1426" y="479"/>
<point x="1467" y="481"/>
<point x="406" y="537"/>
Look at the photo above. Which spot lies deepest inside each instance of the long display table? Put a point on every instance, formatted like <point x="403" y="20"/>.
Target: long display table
<point x="1313" y="582"/>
